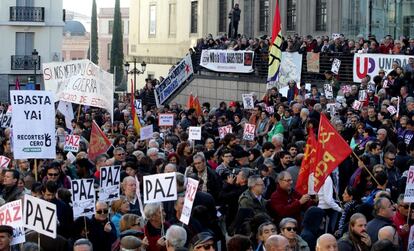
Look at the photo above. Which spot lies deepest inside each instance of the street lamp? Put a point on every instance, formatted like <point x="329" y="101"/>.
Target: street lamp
<point x="35" y="57"/>
<point x="135" y="71"/>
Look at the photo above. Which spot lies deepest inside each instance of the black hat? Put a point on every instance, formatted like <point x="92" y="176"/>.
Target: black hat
<point x="329" y="72"/>
<point x="6" y="229"/>
<point x="131" y="232"/>
<point x="201" y="238"/>
<point x="240" y="154"/>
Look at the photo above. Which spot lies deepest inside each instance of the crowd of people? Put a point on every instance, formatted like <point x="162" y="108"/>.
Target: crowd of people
<point x="246" y="199"/>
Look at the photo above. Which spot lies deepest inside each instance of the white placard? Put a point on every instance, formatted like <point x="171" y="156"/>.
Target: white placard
<point x="331" y="108"/>
<point x="190" y="192"/>
<point x="357" y="105"/>
<point x="110" y="183"/>
<point x="166" y="119"/>
<point x="71" y="143"/>
<point x="335" y="66"/>
<point x="4" y="162"/>
<point x="224" y="130"/>
<point x="409" y="188"/>
<point x="83" y="197"/>
<point x="249" y="131"/>
<point x="160" y="187"/>
<point x="6" y="118"/>
<point x="346" y="89"/>
<point x="362" y="95"/>
<point x="11" y="214"/>
<point x="227" y="60"/>
<point x="33" y="125"/>
<point x="67" y="110"/>
<point x="391" y="109"/>
<point x="71" y="157"/>
<point x="40" y="215"/>
<point x="328" y="91"/>
<point x="194" y="133"/>
<point x="248" y="102"/>
<point x="138" y="107"/>
<point x="146" y="132"/>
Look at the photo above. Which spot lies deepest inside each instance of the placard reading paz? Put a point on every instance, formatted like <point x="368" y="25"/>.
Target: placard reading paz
<point x="110" y="182"/>
<point x="83" y="197"/>
<point x="160" y="187"/>
<point x="40" y="216"/>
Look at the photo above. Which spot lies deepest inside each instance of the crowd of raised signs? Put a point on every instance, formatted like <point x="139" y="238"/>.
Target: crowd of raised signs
<point x="223" y="177"/>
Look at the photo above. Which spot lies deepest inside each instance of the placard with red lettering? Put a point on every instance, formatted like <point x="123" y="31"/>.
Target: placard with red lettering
<point x="224" y="130"/>
<point x="409" y="188"/>
<point x="190" y="193"/>
<point x="71" y="143"/>
<point x="4" y="162"/>
<point x="249" y="131"/>
<point x="11" y="215"/>
<point x="166" y="119"/>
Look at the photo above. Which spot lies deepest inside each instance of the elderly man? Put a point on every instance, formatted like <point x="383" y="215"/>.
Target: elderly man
<point x="176" y="237"/>
<point x="383" y="211"/>
<point x="263" y="232"/>
<point x="389" y="233"/>
<point x="129" y="188"/>
<point x="119" y="154"/>
<point x="385" y="143"/>
<point x="202" y="242"/>
<point x="82" y="245"/>
<point x="155" y="214"/>
<point x="326" y="242"/>
<point x="276" y="243"/>
<point x="400" y="220"/>
<point x="252" y="198"/>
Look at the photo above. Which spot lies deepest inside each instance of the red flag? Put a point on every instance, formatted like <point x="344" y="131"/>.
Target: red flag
<point x="332" y="150"/>
<point x="99" y="142"/>
<point x="137" y="124"/>
<point x="190" y="101"/>
<point x="197" y="106"/>
<point x="308" y="163"/>
<point x="17" y="83"/>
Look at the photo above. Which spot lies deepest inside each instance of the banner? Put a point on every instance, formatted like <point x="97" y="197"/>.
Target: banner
<point x="33" y="123"/>
<point x="409" y="188"/>
<point x="11" y="214"/>
<point x="370" y="64"/>
<point x="190" y="192"/>
<point x="248" y="102"/>
<point x="194" y="133"/>
<point x="40" y="216"/>
<point x="110" y="183"/>
<point x="290" y="68"/>
<point x="71" y="143"/>
<point x="83" y="197"/>
<point x="227" y="60"/>
<point x="249" y="131"/>
<point x="174" y="80"/>
<point x="166" y="119"/>
<point x="80" y="82"/>
<point x="160" y="187"/>
<point x="312" y="62"/>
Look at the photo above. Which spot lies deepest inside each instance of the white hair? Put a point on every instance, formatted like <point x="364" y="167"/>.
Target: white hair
<point x="151" y="209"/>
<point x="278" y="138"/>
<point x="176" y="236"/>
<point x="152" y="150"/>
<point x="153" y="144"/>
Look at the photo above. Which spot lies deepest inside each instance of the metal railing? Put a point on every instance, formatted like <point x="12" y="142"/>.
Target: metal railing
<point x="27" y="14"/>
<point x="24" y="62"/>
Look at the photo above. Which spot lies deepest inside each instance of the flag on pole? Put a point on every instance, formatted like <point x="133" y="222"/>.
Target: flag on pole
<point x="308" y="163"/>
<point x="136" y="123"/>
<point x="17" y="84"/>
<point x="275" y="52"/>
<point x="197" y="106"/>
<point x="332" y="150"/>
<point x="190" y="101"/>
<point x="99" y="142"/>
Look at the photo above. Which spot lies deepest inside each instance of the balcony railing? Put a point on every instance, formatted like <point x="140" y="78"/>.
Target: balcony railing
<point x="24" y="62"/>
<point x="27" y="14"/>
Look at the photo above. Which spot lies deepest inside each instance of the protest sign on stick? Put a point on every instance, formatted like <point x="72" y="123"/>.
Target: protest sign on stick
<point x="249" y="131"/>
<point x="166" y="119"/>
<point x="110" y="183"/>
<point x="11" y="214"/>
<point x="224" y="130"/>
<point x="190" y="192"/>
<point x="83" y="197"/>
<point x="71" y="143"/>
<point x="409" y="188"/>
<point x="160" y="187"/>
<point x="40" y="215"/>
<point x="146" y="132"/>
<point x="194" y="133"/>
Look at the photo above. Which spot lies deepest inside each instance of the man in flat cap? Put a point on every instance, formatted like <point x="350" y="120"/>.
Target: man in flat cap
<point x="6" y="237"/>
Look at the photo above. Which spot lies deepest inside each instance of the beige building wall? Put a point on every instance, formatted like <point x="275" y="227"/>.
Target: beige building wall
<point x="75" y="47"/>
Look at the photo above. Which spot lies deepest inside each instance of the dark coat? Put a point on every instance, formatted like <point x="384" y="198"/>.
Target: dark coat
<point x="100" y="239"/>
<point x="375" y="225"/>
<point x="311" y="222"/>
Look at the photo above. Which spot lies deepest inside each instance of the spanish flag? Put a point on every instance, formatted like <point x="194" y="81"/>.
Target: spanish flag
<point x="275" y="53"/>
<point x="135" y="119"/>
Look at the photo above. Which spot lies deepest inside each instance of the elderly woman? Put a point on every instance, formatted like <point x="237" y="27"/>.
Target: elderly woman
<point x="156" y="226"/>
<point x="288" y="228"/>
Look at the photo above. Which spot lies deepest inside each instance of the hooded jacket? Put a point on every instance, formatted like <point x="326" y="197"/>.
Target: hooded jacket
<point x="311" y="222"/>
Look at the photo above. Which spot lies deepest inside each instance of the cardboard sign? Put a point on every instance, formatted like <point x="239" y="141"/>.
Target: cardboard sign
<point x="328" y="91"/>
<point x="270" y="109"/>
<point x="357" y="105"/>
<point x="391" y="109"/>
<point x="362" y="95"/>
<point x="33" y="124"/>
<point x="249" y="131"/>
<point x="11" y="214"/>
<point x="335" y="66"/>
<point x="409" y="189"/>
<point x="166" y="119"/>
<point x="248" y="102"/>
<point x="146" y="132"/>
<point x="190" y="192"/>
<point x="71" y="143"/>
<point x="5" y="120"/>
<point x="71" y="157"/>
<point x="160" y="187"/>
<point x="83" y="197"/>
<point x="224" y="130"/>
<point x="138" y="107"/>
<point x="110" y="183"/>
<point x="194" y="133"/>
<point x="331" y="108"/>
<point x="4" y="162"/>
<point x="40" y="216"/>
<point x="346" y="89"/>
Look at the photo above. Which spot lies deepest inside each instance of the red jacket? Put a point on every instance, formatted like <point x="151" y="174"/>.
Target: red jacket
<point x="400" y="220"/>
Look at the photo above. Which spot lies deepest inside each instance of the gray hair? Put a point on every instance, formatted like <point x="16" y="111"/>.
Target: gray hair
<point x="172" y="166"/>
<point x="153" y="144"/>
<point x="119" y="149"/>
<point x="151" y="208"/>
<point x="269" y="163"/>
<point x="176" y="236"/>
<point x="245" y="172"/>
<point x="252" y="181"/>
<point x="199" y="156"/>
<point x="305" y="110"/>
<point x="83" y="241"/>
<point x="317" y="107"/>
<point x="287" y="220"/>
<point x="278" y="137"/>
<point x="282" y="175"/>
<point x="152" y="150"/>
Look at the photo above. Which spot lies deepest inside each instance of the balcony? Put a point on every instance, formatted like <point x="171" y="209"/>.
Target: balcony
<point x="24" y="62"/>
<point x="27" y="14"/>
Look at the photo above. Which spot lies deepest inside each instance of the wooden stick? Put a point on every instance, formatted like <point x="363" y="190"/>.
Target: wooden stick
<point x="35" y="169"/>
<point x="86" y="228"/>
<point x="79" y="111"/>
<point x="409" y="214"/>
<point x="366" y="168"/>
<point x="162" y="222"/>
<point x="38" y="240"/>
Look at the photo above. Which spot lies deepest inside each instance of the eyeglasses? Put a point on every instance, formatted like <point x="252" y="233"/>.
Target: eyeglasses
<point x="290" y="229"/>
<point x="289" y="180"/>
<point x="205" y="246"/>
<point x="105" y="211"/>
<point x="53" y="174"/>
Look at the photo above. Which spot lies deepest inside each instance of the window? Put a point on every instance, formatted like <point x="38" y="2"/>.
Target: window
<point x="194" y="17"/>
<point x="108" y="51"/>
<point x="291" y="15"/>
<point x="172" y="29"/>
<point x="264" y="15"/>
<point x="222" y="15"/>
<point x="24" y="43"/>
<point x="110" y="26"/>
<point x="152" y="20"/>
<point x="320" y="15"/>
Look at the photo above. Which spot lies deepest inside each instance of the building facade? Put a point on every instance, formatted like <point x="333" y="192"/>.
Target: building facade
<point x="27" y="27"/>
<point x="105" y="25"/>
<point x="76" y="41"/>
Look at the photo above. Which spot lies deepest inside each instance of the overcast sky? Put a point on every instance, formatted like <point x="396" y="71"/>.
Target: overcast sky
<point x="85" y="6"/>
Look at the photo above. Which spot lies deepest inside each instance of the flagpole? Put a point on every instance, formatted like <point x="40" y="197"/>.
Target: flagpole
<point x="366" y="168"/>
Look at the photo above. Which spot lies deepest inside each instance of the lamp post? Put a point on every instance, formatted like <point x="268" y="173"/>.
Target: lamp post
<point x="135" y="71"/>
<point x="35" y="57"/>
